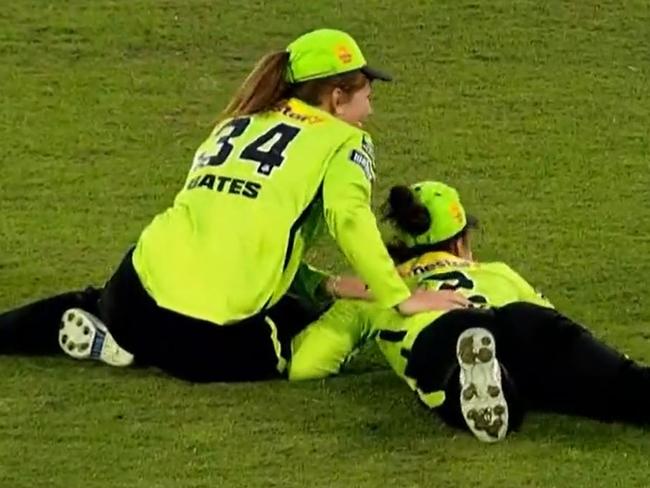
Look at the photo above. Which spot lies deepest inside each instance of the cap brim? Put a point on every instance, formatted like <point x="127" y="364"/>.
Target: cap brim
<point x="375" y="74"/>
<point x="472" y="222"/>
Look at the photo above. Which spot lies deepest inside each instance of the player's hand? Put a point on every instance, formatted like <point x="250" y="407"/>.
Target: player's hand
<point x="348" y="287"/>
<point x="428" y="300"/>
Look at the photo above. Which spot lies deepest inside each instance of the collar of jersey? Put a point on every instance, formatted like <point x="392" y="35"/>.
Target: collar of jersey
<point x="304" y="108"/>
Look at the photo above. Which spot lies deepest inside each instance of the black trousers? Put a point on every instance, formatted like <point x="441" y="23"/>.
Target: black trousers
<point x="184" y="347"/>
<point x="32" y="329"/>
<point x="194" y="349"/>
<point x="551" y="364"/>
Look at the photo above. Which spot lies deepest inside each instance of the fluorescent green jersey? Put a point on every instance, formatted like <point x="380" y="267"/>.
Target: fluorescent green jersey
<point x="485" y="284"/>
<point x="259" y="189"/>
<point x="324" y="346"/>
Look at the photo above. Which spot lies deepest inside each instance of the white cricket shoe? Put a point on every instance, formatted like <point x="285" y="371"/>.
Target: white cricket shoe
<point x="482" y="401"/>
<point x="84" y="336"/>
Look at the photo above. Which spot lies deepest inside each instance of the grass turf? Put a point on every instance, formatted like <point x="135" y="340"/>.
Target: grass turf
<point x="537" y="111"/>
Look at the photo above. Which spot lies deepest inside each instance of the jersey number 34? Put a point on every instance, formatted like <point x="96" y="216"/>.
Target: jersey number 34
<point x="267" y="150"/>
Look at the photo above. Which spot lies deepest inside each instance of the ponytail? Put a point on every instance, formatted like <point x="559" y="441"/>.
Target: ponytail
<point x="262" y="89"/>
<point x="266" y="86"/>
<point x="408" y="215"/>
<point x="404" y="211"/>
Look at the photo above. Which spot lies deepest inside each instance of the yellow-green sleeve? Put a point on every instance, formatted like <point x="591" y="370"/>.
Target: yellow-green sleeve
<point x="347" y="188"/>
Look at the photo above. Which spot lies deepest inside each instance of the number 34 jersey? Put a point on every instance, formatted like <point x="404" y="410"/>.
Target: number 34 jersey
<point x="257" y="193"/>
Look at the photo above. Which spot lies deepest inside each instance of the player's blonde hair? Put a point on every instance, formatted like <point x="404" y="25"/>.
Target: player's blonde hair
<point x="265" y="87"/>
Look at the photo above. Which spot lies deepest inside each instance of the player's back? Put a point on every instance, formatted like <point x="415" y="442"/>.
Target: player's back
<point x="220" y="252"/>
<point x="489" y="283"/>
<point x="485" y="284"/>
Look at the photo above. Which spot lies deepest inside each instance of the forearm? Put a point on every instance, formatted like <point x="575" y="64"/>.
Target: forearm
<point x="355" y="230"/>
<point x="347" y="205"/>
<point x="347" y="287"/>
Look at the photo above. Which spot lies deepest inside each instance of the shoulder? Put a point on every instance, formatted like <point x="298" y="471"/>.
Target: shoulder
<point x="348" y="135"/>
<point x="362" y="141"/>
<point x="360" y="150"/>
<point x="322" y="124"/>
<point x="505" y="271"/>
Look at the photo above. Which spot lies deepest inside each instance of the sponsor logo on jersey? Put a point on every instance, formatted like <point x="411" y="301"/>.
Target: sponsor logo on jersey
<point x="364" y="162"/>
<point x="420" y="269"/>
<point x="286" y="110"/>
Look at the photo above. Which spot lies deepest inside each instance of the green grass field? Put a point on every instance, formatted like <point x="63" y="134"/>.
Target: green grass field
<point x="539" y="112"/>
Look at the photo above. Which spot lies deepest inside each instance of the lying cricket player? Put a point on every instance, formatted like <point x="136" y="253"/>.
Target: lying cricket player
<point x="482" y="367"/>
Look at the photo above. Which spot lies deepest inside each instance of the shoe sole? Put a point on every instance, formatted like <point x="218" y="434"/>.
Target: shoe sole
<point x="83" y="336"/>
<point x="482" y="401"/>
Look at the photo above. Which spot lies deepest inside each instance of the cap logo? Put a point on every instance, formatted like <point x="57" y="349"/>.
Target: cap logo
<point x="343" y="53"/>
<point x="456" y="212"/>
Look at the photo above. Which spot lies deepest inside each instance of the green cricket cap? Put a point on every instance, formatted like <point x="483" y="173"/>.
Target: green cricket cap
<point x="448" y="216"/>
<point x="327" y="52"/>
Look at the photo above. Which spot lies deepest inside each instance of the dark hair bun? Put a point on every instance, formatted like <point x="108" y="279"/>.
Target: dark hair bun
<point x="405" y="212"/>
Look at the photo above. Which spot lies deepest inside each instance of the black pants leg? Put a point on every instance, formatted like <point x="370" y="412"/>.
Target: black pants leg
<point x="432" y="363"/>
<point x="33" y="328"/>
<point x="560" y="366"/>
<point x="193" y="349"/>
<point x="549" y="363"/>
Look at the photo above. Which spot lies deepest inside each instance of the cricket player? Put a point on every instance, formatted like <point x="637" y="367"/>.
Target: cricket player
<point x="200" y="294"/>
<point x="479" y="368"/>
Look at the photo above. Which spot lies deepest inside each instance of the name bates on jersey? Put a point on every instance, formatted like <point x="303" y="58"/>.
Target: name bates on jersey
<point x="226" y="184"/>
<point x="267" y="151"/>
